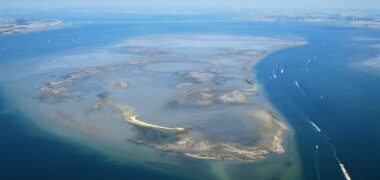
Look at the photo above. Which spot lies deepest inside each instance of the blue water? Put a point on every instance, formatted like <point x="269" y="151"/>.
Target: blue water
<point x="348" y="114"/>
<point x="27" y="155"/>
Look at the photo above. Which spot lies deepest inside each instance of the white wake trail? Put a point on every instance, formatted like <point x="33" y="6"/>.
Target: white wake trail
<point x="316" y="161"/>
<point x="314" y="125"/>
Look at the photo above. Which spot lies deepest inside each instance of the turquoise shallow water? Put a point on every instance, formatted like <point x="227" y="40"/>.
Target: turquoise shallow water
<point x="348" y="113"/>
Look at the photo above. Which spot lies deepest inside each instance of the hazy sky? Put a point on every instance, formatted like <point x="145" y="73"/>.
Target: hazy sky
<point x="193" y="4"/>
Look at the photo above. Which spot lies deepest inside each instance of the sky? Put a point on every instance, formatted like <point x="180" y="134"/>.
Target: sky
<point x="193" y="4"/>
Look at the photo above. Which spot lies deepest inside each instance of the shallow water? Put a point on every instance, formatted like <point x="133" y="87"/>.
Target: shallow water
<point x="320" y="68"/>
<point x="122" y="102"/>
<point x="175" y="66"/>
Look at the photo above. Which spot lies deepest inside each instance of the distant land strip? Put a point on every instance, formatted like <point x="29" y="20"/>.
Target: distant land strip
<point x="170" y="21"/>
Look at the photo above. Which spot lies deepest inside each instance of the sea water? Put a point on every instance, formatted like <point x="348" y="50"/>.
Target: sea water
<point x="340" y="99"/>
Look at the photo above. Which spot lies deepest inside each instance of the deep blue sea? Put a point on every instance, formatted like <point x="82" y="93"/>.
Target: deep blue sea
<point x="341" y="99"/>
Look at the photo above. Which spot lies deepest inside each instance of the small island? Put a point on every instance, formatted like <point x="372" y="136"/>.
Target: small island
<point x="11" y="26"/>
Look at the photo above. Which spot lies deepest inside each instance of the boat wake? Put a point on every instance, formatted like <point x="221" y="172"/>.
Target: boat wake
<point x="297" y="84"/>
<point x="316" y="161"/>
<point x="341" y="165"/>
<point x="274" y="75"/>
<point x="307" y="65"/>
<point x="314" y="125"/>
<point x="275" y="71"/>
